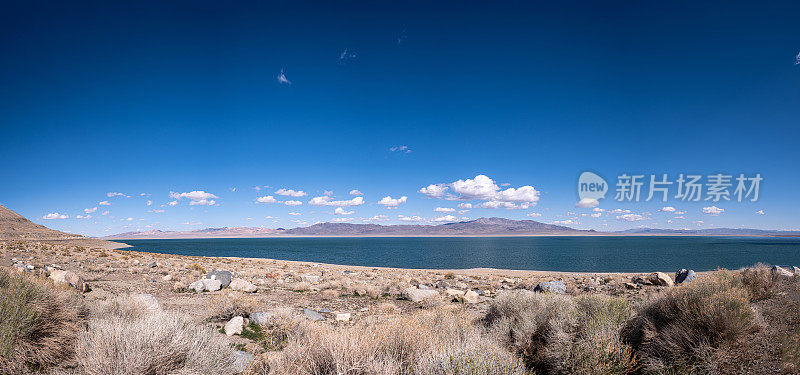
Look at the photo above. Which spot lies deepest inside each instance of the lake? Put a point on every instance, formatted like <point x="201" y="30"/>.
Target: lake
<point x="576" y="254"/>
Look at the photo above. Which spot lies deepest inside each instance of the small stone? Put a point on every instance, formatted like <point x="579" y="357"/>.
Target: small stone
<point x="453" y="293"/>
<point x="313" y="279"/>
<point x="659" y="279"/>
<point x="260" y="318"/>
<point x="632" y="286"/>
<point x="167" y="278"/>
<point x="70" y="278"/>
<point x="313" y="315"/>
<point x="325" y="310"/>
<point x="555" y="287"/>
<point x="342" y="317"/>
<point x="234" y="326"/>
<point x="243" y="285"/>
<point x="211" y="284"/>
<point x="147" y="301"/>
<point x="242" y="360"/>
<point x="153" y="265"/>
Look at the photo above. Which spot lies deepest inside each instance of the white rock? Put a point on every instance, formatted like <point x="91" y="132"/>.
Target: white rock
<point x="660" y="279"/>
<point x="470" y="297"/>
<point x="780" y="273"/>
<point x="167" y="278"/>
<point x="417" y="295"/>
<point x="313" y="279"/>
<point x="342" y="317"/>
<point x="147" y="301"/>
<point x="197" y="286"/>
<point x="211" y="285"/>
<point x="234" y="326"/>
<point x="242" y="285"/>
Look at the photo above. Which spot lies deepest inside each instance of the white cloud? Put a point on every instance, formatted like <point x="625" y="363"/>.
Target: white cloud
<point x="266" y="199"/>
<point x="196" y="197"/>
<point x="346" y="55"/>
<point x="465" y="205"/>
<point x="587" y="203"/>
<point x="444" y="209"/>
<point x="534" y="214"/>
<point x="388" y="201"/>
<point x="149" y="203"/>
<point x="89" y="210"/>
<point x="104" y="203"/>
<point x="403" y="149"/>
<point x="713" y="210"/>
<point x="295" y="213"/>
<point x="341" y="211"/>
<point x="619" y="211"/>
<point x="84" y="217"/>
<point x="341" y="219"/>
<point x="598" y="209"/>
<point x="129" y="219"/>
<point x="484" y="188"/>
<point x="565" y="222"/>
<point x="409" y="218"/>
<point x="115" y="194"/>
<point x="761" y="212"/>
<point x="435" y="191"/>
<point x="376" y="218"/>
<point x="173" y="203"/>
<point x="631" y="217"/>
<point x="355" y="192"/>
<point x="597" y="214"/>
<point x="157" y="211"/>
<point x="105" y="213"/>
<point x="282" y="79"/>
<point x="448" y="219"/>
<point x="291" y="193"/>
<point x="293" y="203"/>
<point x="668" y="209"/>
<point x="326" y="201"/>
<point x="233" y="189"/>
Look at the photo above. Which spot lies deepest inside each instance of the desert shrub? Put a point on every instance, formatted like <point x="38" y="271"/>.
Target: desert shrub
<point x="681" y="330"/>
<point x="39" y="323"/>
<point x="119" y="341"/>
<point x="563" y="335"/>
<point x="224" y="307"/>
<point x="428" y="342"/>
<point x="757" y="280"/>
<point x="197" y="267"/>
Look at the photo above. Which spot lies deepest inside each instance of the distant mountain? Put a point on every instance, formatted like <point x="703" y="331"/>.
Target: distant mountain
<point x="483" y="226"/>
<point x="224" y="232"/>
<point x="14" y="226"/>
<point x="713" y="232"/>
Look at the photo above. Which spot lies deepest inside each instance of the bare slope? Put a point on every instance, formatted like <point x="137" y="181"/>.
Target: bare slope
<point x="14" y="226"/>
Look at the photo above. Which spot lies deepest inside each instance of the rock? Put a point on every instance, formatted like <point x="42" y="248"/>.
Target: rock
<point x="167" y="278"/>
<point x="659" y="279"/>
<point x="454" y="293"/>
<point x="234" y="326"/>
<point x="325" y="310"/>
<point x="313" y="315"/>
<point x="241" y="360"/>
<point x="211" y="284"/>
<point x="684" y="275"/>
<point x="342" y="317"/>
<point x="243" y="285"/>
<point x="69" y="278"/>
<point x="224" y="277"/>
<point x="260" y="318"/>
<point x="641" y="280"/>
<point x="470" y="297"/>
<point x="632" y="286"/>
<point x="780" y="273"/>
<point x="153" y="265"/>
<point x="361" y="292"/>
<point x="555" y="287"/>
<point x="197" y="286"/>
<point x="147" y="301"/>
<point x="418" y="295"/>
<point x="313" y="279"/>
<point x="796" y="270"/>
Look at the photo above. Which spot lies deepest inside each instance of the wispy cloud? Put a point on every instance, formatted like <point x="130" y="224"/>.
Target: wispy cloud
<point x="54" y="216"/>
<point x="713" y="210"/>
<point x="89" y="210"/>
<point x="346" y="55"/>
<point x="326" y="200"/>
<point x="115" y="194"/>
<point x="104" y="203"/>
<point x="402" y="149"/>
<point x="355" y="192"/>
<point x="291" y="193"/>
<point x="401" y="38"/>
<point x="282" y="79"/>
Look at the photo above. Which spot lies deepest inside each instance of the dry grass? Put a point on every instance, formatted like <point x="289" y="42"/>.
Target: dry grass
<point x="223" y="307"/>
<point x="682" y="329"/>
<point x="429" y="342"/>
<point x="39" y="323"/>
<point x="123" y="338"/>
<point x="562" y="335"/>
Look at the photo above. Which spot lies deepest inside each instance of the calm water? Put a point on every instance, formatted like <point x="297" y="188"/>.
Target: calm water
<point x="588" y="254"/>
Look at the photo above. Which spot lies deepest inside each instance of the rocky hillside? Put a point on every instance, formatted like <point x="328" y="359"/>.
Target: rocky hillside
<point x="14" y="226"/>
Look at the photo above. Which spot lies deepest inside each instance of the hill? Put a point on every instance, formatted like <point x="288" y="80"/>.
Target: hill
<point x="14" y="226"/>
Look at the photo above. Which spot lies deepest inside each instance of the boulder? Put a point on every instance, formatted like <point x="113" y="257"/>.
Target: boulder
<point x="684" y="275"/>
<point x="224" y="277"/>
<point x="454" y="294"/>
<point x="342" y="317"/>
<point x="312" y="279"/>
<point x="659" y="279"/>
<point x="780" y="273"/>
<point x="147" y="301"/>
<point x="796" y="270"/>
<point x="234" y="326"/>
<point x="260" y="318"/>
<point x="211" y="285"/>
<point x="197" y="286"/>
<point x="313" y="315"/>
<point x="243" y="285"/>
<point x="555" y="287"/>
<point x="632" y="286"/>
<point x="167" y="278"/>
<point x="417" y="295"/>
<point x="242" y="360"/>
<point x="470" y="297"/>
<point x="153" y="265"/>
<point x="69" y="278"/>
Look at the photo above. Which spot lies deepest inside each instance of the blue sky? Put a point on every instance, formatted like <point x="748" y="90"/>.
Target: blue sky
<point x="159" y="97"/>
